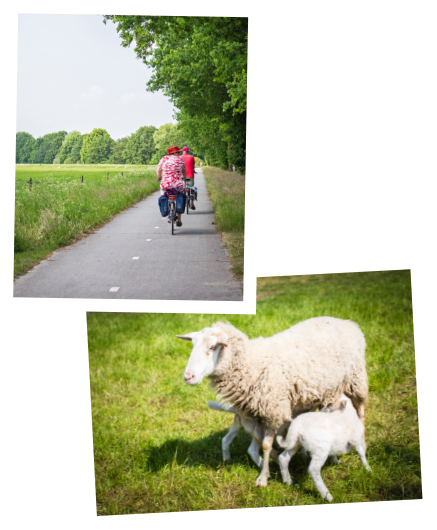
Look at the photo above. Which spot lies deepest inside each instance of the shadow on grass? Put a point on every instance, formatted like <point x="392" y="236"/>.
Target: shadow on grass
<point x="207" y="452"/>
<point x="397" y="453"/>
<point x="201" y="452"/>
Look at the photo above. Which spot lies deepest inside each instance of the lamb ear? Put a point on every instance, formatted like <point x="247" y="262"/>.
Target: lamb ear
<point x="188" y="336"/>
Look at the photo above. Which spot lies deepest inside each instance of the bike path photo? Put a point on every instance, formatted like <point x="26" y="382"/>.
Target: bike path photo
<point x="135" y="256"/>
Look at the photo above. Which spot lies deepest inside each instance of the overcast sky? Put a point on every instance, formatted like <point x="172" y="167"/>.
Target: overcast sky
<point x="73" y="74"/>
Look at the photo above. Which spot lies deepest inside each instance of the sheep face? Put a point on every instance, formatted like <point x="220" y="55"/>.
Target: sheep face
<point x="203" y="360"/>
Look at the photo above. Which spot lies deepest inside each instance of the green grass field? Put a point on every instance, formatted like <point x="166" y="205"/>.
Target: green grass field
<point x="157" y="447"/>
<point x="59" y="209"/>
<point x="227" y="192"/>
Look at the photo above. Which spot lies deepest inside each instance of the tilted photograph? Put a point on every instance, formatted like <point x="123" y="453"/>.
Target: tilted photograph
<point x="130" y="157"/>
<point x="311" y="401"/>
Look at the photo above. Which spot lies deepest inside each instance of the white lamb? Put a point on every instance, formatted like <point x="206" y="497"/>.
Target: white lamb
<point x="323" y="434"/>
<point x="266" y="379"/>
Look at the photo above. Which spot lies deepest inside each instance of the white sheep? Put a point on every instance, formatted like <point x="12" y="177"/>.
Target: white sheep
<point x="323" y="434"/>
<point x="310" y="364"/>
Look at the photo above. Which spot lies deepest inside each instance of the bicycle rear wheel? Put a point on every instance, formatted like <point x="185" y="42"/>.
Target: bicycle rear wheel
<point x="172" y="220"/>
<point x="187" y="196"/>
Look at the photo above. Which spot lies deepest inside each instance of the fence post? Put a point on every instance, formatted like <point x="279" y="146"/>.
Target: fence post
<point x="30" y="184"/>
<point x="107" y="176"/>
<point x="81" y="179"/>
<point x="122" y="173"/>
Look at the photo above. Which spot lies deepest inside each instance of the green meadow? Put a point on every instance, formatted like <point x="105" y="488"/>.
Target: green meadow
<point x="227" y="192"/>
<point x="58" y="209"/>
<point x="157" y="446"/>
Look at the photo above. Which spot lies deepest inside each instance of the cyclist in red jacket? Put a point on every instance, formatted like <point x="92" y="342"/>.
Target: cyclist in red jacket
<point x="189" y="163"/>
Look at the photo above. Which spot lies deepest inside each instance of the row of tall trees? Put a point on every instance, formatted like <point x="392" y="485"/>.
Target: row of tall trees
<point x="146" y="146"/>
<point x="200" y="63"/>
<point x="38" y="151"/>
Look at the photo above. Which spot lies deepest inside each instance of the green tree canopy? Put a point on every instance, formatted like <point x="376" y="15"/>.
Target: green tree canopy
<point x="75" y="150"/>
<point x="166" y="136"/>
<point x="21" y="138"/>
<point x="26" y="151"/>
<point x="73" y="140"/>
<point x="36" y="151"/>
<point x="118" y="155"/>
<point x="54" y="143"/>
<point x="140" y="146"/>
<point x="201" y="65"/>
<point x="96" y="147"/>
<point x="40" y="151"/>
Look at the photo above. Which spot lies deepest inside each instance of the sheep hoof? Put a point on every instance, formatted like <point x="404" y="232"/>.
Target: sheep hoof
<point x="329" y="497"/>
<point x="261" y="481"/>
<point x="369" y="469"/>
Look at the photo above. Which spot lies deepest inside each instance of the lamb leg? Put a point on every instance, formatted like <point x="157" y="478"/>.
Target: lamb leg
<point x="232" y="433"/>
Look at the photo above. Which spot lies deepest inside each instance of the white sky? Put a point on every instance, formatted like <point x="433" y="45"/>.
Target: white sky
<point x="73" y="74"/>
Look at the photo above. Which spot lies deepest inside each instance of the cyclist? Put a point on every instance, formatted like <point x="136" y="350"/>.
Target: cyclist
<point x="171" y="170"/>
<point x="189" y="163"/>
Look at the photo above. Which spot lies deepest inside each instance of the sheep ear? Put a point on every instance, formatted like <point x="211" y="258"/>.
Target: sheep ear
<point x="221" y="337"/>
<point x="188" y="336"/>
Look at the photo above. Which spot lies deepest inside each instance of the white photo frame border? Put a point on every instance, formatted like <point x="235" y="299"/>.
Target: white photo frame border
<point x="416" y="265"/>
<point x="248" y="305"/>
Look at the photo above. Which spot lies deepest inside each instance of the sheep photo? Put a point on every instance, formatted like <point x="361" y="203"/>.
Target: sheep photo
<point x="310" y="401"/>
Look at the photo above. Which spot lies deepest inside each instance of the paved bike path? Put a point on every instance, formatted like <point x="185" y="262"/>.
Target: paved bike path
<point x="192" y="264"/>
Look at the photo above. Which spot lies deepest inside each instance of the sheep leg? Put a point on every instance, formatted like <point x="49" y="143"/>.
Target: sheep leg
<point x="284" y="460"/>
<point x="232" y="433"/>
<point x="269" y="436"/>
<point x="253" y="451"/>
<point x="360" y="450"/>
<point x="314" y="470"/>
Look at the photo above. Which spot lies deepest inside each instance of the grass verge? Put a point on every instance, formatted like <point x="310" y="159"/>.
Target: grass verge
<point x="157" y="447"/>
<point x="60" y="209"/>
<point x="227" y="192"/>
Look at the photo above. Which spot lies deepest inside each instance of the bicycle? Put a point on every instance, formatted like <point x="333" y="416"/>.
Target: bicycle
<point x="172" y="211"/>
<point x="190" y="194"/>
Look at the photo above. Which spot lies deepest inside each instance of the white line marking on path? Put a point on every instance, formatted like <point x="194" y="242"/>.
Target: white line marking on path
<point x="156" y="226"/>
<point x="136" y="257"/>
<point x="114" y="289"/>
<point x="148" y="240"/>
